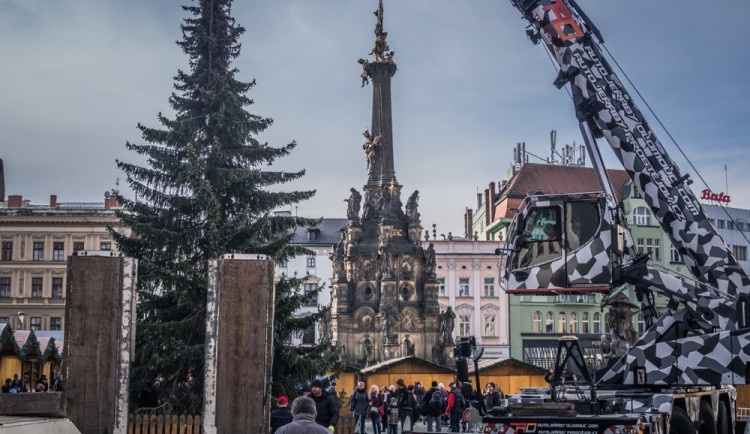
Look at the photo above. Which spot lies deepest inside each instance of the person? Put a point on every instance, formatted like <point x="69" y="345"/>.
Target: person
<point x="492" y="396"/>
<point x="419" y="393"/>
<point x="402" y="399"/>
<point x="280" y="416"/>
<point x="7" y="386"/>
<point x="327" y="408"/>
<point x="393" y="417"/>
<point x="358" y="406"/>
<point x="456" y="406"/>
<point x="384" y="398"/>
<point x="18" y="384"/>
<point x="375" y="408"/>
<point x="303" y="422"/>
<point x="332" y="390"/>
<point x="432" y="408"/>
<point x="57" y="384"/>
<point x="43" y="382"/>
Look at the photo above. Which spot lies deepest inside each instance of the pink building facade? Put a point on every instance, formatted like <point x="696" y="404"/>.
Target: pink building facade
<point x="468" y="274"/>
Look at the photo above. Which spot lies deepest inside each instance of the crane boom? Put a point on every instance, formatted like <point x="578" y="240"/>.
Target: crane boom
<point x="604" y="104"/>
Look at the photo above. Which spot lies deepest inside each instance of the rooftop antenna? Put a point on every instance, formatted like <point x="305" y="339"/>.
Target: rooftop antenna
<point x="553" y="143"/>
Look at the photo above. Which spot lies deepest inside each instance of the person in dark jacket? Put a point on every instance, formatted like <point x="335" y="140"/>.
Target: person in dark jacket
<point x="402" y="400"/>
<point x="358" y="406"/>
<point x="303" y="411"/>
<point x="492" y="396"/>
<point x="456" y="406"/>
<point x="432" y="414"/>
<point x="281" y="415"/>
<point x="327" y="407"/>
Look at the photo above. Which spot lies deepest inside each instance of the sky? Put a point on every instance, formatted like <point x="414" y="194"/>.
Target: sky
<point x="77" y="76"/>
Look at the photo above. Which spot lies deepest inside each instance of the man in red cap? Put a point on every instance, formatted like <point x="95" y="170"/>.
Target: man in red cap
<point x="280" y="416"/>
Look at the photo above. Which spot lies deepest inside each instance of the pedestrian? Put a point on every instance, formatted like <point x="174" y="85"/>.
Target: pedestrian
<point x="327" y="407"/>
<point x="303" y="422"/>
<point x="281" y="415"/>
<point x="7" y="386"/>
<point x="433" y="406"/>
<point x="383" y="420"/>
<point x="358" y="406"/>
<point x="492" y="396"/>
<point x="332" y="390"/>
<point x="419" y="393"/>
<point x="456" y="406"/>
<point x="375" y="408"/>
<point x="393" y="417"/>
<point x="57" y="383"/>
<point x="18" y="384"/>
<point x="402" y="398"/>
<point x="44" y="384"/>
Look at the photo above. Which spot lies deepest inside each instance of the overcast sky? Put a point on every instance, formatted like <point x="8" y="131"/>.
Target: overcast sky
<point x="76" y="76"/>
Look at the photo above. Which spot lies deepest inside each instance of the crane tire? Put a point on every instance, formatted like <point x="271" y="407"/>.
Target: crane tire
<point x="706" y="421"/>
<point x="722" y="421"/>
<point x="680" y="423"/>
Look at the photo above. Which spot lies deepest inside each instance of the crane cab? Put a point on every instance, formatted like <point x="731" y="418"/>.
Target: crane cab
<point x="560" y="244"/>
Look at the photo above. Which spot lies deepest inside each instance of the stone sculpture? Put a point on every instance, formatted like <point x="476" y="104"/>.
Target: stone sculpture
<point x="429" y="258"/>
<point x="354" y="201"/>
<point x="620" y="323"/>
<point x="365" y="80"/>
<point x="370" y="146"/>
<point x="411" y="208"/>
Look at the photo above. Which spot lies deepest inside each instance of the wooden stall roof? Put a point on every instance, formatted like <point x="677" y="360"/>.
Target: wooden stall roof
<point x="24" y="343"/>
<point x="488" y="364"/>
<point x="374" y="369"/>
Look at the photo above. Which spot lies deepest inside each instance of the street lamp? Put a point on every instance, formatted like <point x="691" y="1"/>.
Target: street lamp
<point x="21" y="317"/>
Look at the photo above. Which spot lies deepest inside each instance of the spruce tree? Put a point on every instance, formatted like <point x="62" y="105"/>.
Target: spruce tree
<point x="204" y="192"/>
<point x="294" y="366"/>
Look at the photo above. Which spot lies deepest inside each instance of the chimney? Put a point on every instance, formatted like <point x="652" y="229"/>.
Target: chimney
<point x="479" y="200"/>
<point x="491" y="202"/>
<point x="108" y="202"/>
<point x="468" y="220"/>
<point x="487" y="206"/>
<point x="52" y="200"/>
<point x="15" y="201"/>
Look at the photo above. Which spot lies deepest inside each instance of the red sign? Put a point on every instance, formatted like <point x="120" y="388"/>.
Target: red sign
<point x="710" y="195"/>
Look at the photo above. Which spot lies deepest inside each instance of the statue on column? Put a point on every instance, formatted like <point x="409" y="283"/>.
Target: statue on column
<point x="368" y="349"/>
<point x="386" y="256"/>
<point x="429" y="261"/>
<point x="352" y="211"/>
<point x="620" y="323"/>
<point x="370" y="146"/>
<point x="337" y="257"/>
<point x="447" y="323"/>
<point x="411" y="208"/>
<point x="388" y="323"/>
<point x="363" y="76"/>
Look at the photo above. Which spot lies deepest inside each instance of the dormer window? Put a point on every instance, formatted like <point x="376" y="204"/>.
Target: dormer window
<point x="313" y="234"/>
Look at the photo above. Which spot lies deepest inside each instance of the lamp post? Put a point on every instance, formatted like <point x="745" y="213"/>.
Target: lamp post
<point x="21" y="317"/>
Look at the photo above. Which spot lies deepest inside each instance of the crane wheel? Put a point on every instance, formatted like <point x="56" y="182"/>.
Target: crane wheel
<point x="680" y="423"/>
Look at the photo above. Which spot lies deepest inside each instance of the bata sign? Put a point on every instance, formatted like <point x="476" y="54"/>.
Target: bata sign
<point x="710" y="195"/>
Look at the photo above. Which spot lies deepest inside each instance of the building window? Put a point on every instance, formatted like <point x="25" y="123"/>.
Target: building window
<point x="464" y="325"/>
<point x="57" y="284"/>
<point x="78" y="246"/>
<point x="641" y="216"/>
<point x="562" y="320"/>
<point x="463" y="288"/>
<point x="38" y="251"/>
<point x="537" y="322"/>
<point x="641" y="323"/>
<point x="441" y="287"/>
<point x="730" y="225"/>
<point x="574" y="322"/>
<point x="652" y="246"/>
<point x="549" y="323"/>
<point x="55" y="323"/>
<point x="36" y="287"/>
<point x="310" y="288"/>
<point x="675" y="256"/>
<point x="720" y="223"/>
<point x="606" y="323"/>
<point x="585" y="323"/>
<point x="105" y="245"/>
<point x="489" y="325"/>
<point x="311" y="260"/>
<point x="489" y="286"/>
<point x="740" y="253"/>
<point x="7" y="251"/>
<point x="313" y="234"/>
<point x="597" y="323"/>
<point x="308" y="335"/>
<point x="36" y="323"/>
<point x="4" y="287"/>
<point x="58" y="251"/>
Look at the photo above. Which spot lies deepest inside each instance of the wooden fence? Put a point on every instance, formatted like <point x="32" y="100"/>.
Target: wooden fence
<point x="164" y="424"/>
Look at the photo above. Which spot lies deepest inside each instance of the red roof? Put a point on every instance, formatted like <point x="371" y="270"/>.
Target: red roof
<point x="555" y="179"/>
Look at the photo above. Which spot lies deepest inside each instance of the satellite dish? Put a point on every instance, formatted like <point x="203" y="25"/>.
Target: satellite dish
<point x="107" y="195"/>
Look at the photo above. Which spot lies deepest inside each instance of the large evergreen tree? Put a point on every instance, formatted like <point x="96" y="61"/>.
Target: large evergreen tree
<point x="293" y="366"/>
<point x="203" y="193"/>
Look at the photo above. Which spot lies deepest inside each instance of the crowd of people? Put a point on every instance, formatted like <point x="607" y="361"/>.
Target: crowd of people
<point x="388" y="407"/>
<point x="19" y="385"/>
